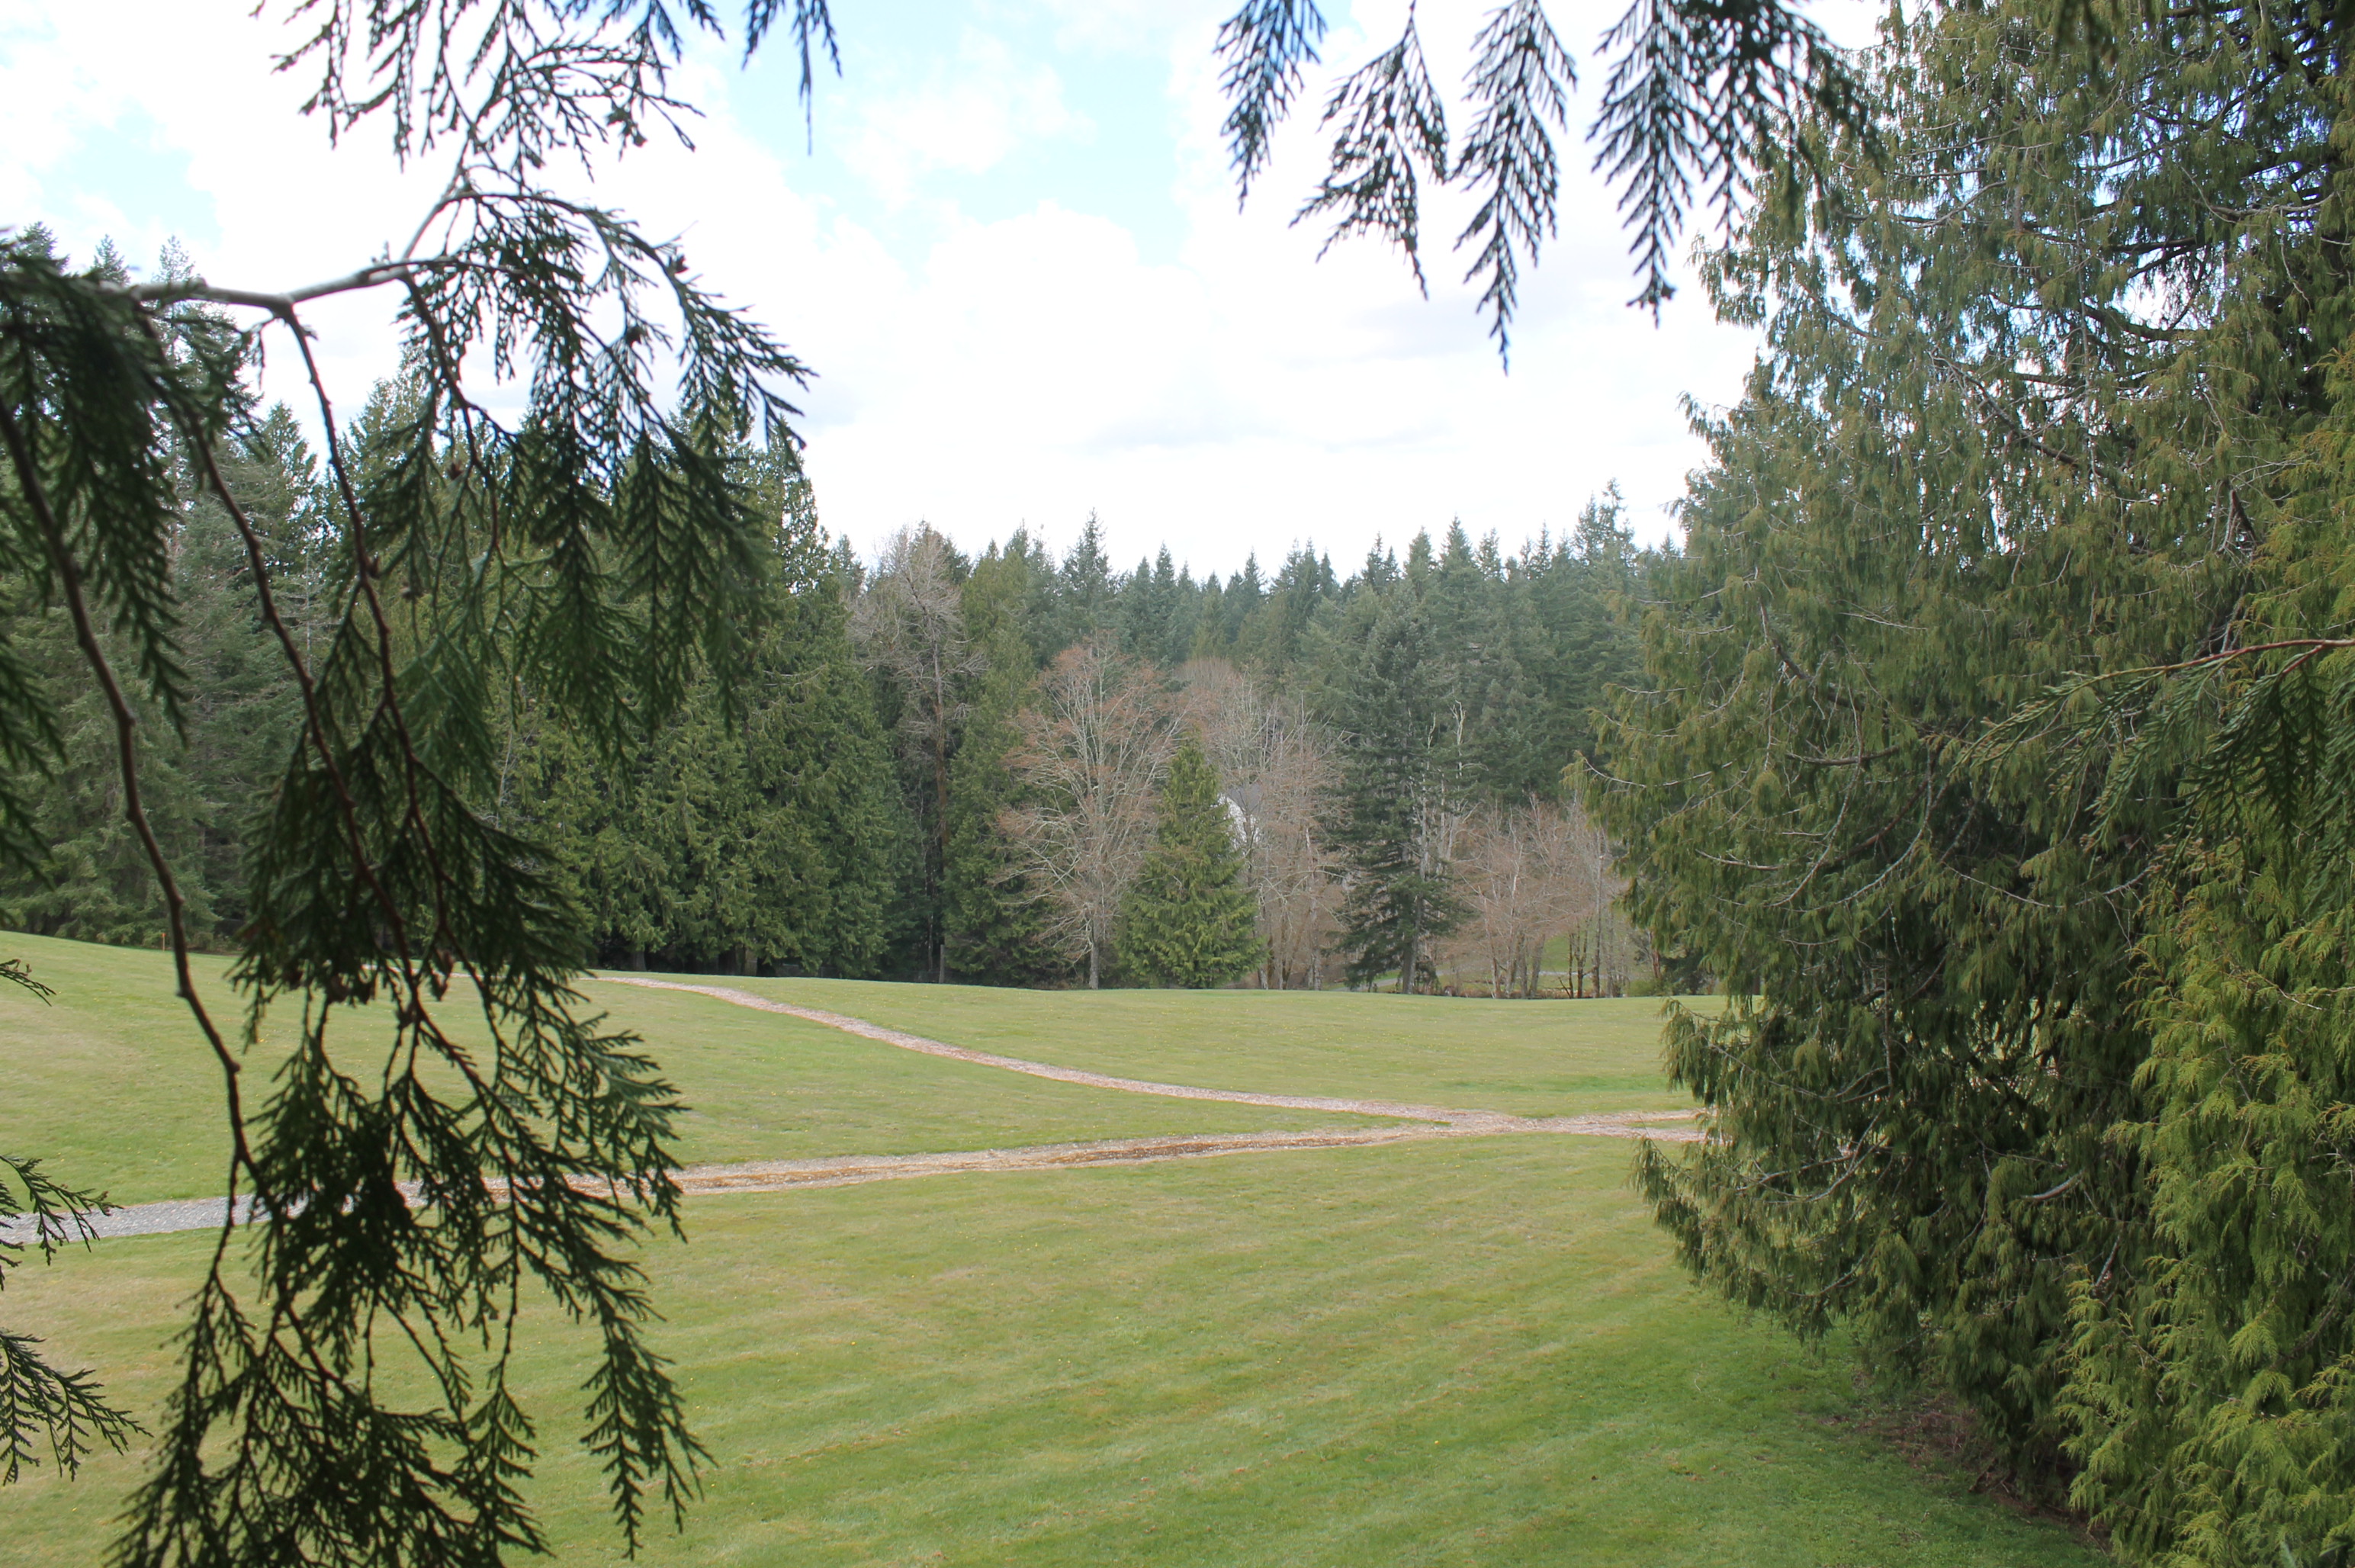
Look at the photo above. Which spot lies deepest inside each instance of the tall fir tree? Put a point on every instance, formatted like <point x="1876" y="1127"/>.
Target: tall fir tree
<point x="1303" y="586"/>
<point x="214" y="771"/>
<point x="1189" y="921"/>
<point x="1571" y="629"/>
<point x="993" y="918"/>
<point x="1086" y="591"/>
<point x="909" y="625"/>
<point x="1389" y="814"/>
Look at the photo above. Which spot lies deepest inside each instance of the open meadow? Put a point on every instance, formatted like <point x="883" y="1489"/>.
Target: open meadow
<point x="1469" y="1350"/>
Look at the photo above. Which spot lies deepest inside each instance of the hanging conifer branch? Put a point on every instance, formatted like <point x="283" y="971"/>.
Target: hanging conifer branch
<point x="1264" y="48"/>
<point x="1709" y="94"/>
<point x="1391" y="121"/>
<point x="602" y="550"/>
<point x="1713" y="91"/>
<point x="1521" y="77"/>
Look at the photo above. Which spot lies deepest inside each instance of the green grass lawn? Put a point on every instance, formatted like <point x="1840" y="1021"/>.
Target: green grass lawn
<point x="112" y="1084"/>
<point x="1471" y="1351"/>
<point x="1529" y="1058"/>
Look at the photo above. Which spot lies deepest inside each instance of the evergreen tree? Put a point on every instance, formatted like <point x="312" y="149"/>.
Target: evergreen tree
<point x="909" y="625"/>
<point x="1153" y="611"/>
<point x="758" y="840"/>
<point x="1240" y="611"/>
<point x="1990" y="747"/>
<point x="1211" y="636"/>
<point x="209" y="777"/>
<point x="1303" y="586"/>
<point x="1189" y="919"/>
<point x="247" y="709"/>
<point x="1086" y="593"/>
<point x="1572" y="632"/>
<point x="1023" y="578"/>
<point x="995" y="920"/>
<point x="1390" y="814"/>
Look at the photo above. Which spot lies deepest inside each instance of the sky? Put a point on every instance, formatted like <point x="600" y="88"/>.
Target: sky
<point x="1008" y="243"/>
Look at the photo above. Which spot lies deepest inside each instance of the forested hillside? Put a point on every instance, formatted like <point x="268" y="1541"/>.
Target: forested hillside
<point x="948" y="767"/>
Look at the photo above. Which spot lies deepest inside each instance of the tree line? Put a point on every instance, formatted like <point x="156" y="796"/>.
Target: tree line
<point x="963" y="767"/>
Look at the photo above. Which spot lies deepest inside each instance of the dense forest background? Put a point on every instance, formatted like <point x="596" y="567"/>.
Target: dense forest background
<point x="949" y="767"/>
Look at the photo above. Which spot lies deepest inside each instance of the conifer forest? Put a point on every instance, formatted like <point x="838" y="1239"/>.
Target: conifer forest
<point x="1969" y="770"/>
<point x="946" y="767"/>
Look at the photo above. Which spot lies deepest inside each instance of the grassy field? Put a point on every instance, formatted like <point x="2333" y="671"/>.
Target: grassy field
<point x="119" y="1090"/>
<point x="1471" y="1351"/>
<point x="1534" y="1058"/>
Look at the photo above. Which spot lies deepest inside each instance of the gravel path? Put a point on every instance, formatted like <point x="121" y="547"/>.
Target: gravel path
<point x="784" y="1175"/>
<point x="1459" y="1120"/>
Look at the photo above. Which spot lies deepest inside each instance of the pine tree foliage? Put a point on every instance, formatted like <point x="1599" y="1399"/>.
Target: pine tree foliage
<point x="94" y="882"/>
<point x="1989" y="751"/>
<point x="995" y="918"/>
<point x="750" y="841"/>
<point x="1189" y="919"/>
<point x="1715" y="92"/>
<point x="909" y="625"/>
<point x="1391" y="812"/>
<point x="597" y="551"/>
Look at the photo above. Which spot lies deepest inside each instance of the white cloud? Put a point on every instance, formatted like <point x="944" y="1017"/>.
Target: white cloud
<point x="1248" y="395"/>
<point x="285" y="209"/>
<point x="965" y="116"/>
<point x="1233" y="398"/>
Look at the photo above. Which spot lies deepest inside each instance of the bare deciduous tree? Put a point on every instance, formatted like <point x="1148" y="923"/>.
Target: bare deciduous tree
<point x="909" y="625"/>
<point x="1093" y="752"/>
<point x="1520" y="880"/>
<point x="1275" y="767"/>
<point x="1603" y="947"/>
<point x="1527" y="874"/>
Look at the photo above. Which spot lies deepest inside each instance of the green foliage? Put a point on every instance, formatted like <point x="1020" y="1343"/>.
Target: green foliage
<point x="995" y="923"/>
<point x="1188" y="919"/>
<point x="1399" y="751"/>
<point x="1990" y="753"/>
<point x="752" y="839"/>
<point x="202" y="783"/>
<point x="596" y="553"/>
<point x="2212" y="1402"/>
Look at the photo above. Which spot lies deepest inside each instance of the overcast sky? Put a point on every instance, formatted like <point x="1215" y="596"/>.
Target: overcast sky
<point x="1013" y="255"/>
